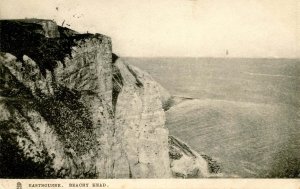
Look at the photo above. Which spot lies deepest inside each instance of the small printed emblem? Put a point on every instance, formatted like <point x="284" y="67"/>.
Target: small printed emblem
<point x="19" y="185"/>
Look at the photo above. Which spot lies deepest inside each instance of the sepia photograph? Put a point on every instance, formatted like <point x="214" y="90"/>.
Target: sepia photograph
<point x="159" y="93"/>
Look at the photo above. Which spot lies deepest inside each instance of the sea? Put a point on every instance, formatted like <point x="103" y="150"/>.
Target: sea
<point x="243" y="112"/>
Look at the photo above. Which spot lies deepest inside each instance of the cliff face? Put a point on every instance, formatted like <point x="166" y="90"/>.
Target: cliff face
<point x="58" y="108"/>
<point x="70" y="108"/>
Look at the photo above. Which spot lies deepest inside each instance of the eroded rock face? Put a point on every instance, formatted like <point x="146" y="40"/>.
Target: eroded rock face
<point x="62" y="119"/>
<point x="186" y="163"/>
<point x="139" y="120"/>
<point x="70" y="108"/>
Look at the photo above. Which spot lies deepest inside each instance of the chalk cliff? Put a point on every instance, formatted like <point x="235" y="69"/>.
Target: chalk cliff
<point x="70" y="108"/>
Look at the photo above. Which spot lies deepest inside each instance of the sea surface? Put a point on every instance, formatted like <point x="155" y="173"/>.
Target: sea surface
<point x="245" y="113"/>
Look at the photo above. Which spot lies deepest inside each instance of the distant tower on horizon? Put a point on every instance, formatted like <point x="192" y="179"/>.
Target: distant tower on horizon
<point x="227" y="53"/>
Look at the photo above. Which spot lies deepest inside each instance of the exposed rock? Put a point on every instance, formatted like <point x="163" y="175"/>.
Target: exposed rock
<point x="77" y="118"/>
<point x="186" y="163"/>
<point x="140" y="120"/>
<point x="70" y="108"/>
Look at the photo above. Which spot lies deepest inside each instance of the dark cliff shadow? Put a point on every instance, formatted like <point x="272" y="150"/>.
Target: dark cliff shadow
<point x="19" y="38"/>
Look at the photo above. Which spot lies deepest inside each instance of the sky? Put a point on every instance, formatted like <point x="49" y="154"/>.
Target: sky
<point x="176" y="28"/>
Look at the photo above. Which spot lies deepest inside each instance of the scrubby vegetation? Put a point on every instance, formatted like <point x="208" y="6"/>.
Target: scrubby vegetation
<point x="19" y="38"/>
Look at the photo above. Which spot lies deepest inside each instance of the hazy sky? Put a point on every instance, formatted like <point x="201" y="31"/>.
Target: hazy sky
<point x="251" y="28"/>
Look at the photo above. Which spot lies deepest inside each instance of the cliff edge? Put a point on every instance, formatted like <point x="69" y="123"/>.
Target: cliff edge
<point x="70" y="108"/>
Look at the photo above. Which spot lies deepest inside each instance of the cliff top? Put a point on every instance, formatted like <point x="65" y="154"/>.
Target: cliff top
<point x="38" y="38"/>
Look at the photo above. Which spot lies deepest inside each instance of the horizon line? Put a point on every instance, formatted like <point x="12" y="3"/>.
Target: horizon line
<point x="238" y="57"/>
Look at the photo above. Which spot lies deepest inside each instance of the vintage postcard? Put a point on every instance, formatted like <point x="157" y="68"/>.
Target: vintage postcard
<point x="149" y="94"/>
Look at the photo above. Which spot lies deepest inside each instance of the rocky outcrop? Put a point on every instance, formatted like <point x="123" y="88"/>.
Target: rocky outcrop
<point x="70" y="108"/>
<point x="58" y="108"/>
<point x="139" y="121"/>
<point x="186" y="163"/>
